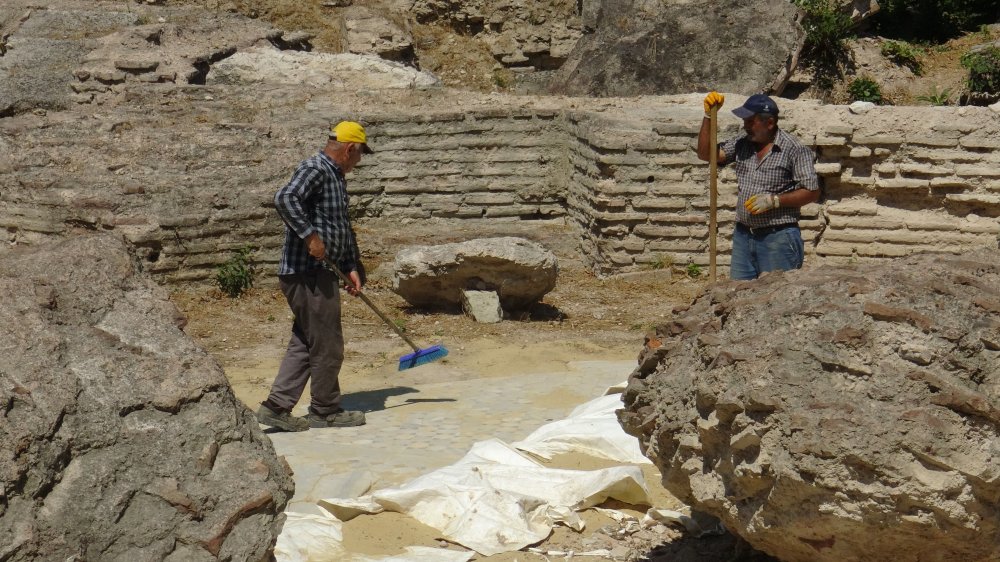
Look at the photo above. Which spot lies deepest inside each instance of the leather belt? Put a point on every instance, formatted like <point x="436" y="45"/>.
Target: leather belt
<point x="765" y="230"/>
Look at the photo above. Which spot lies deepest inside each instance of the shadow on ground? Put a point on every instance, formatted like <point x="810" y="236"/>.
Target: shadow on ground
<point x="374" y="400"/>
<point x="714" y="548"/>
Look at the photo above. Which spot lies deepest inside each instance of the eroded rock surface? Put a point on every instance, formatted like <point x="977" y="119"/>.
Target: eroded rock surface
<point x="520" y="271"/>
<point x="120" y="439"/>
<point x="641" y="47"/>
<point x="835" y="413"/>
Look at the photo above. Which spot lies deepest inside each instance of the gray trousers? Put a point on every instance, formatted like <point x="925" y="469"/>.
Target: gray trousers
<point x="316" y="349"/>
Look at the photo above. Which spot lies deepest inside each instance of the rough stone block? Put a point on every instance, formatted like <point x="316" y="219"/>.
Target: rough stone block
<point x="932" y="140"/>
<point x="830" y="141"/>
<point x="658" y="203"/>
<point x="828" y="168"/>
<point x="839" y="130"/>
<point x="949" y="182"/>
<point x="925" y="169"/>
<point x="679" y="159"/>
<point x="876" y="139"/>
<point x="659" y="232"/>
<point x="679" y="128"/>
<point x="969" y="171"/>
<point x="974" y="198"/>
<point x="980" y="142"/>
<point x="483" y="306"/>
<point x="902" y="183"/>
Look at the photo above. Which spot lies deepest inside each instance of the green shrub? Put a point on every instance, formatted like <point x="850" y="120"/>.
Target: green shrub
<point x="235" y="276"/>
<point x="937" y="98"/>
<point x="865" y="89"/>
<point x="693" y="270"/>
<point x="904" y="54"/>
<point x="984" y="70"/>
<point x="933" y="19"/>
<point x="827" y="29"/>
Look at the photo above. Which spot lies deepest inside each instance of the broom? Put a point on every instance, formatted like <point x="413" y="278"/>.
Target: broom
<point x="411" y="360"/>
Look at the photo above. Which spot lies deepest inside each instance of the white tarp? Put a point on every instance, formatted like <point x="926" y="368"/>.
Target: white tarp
<point x="495" y="499"/>
<point x="591" y="428"/>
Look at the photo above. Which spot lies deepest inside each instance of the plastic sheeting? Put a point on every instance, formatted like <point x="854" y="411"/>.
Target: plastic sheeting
<point x="592" y="428"/>
<point x="495" y="499"/>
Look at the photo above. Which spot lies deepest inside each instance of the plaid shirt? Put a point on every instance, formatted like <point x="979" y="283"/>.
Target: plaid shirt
<point x="786" y="167"/>
<point x="315" y="200"/>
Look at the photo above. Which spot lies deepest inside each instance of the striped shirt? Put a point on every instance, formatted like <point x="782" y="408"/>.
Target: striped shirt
<point x="315" y="200"/>
<point x="786" y="167"/>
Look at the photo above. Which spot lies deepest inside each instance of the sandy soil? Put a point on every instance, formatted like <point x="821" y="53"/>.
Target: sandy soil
<point x="583" y="318"/>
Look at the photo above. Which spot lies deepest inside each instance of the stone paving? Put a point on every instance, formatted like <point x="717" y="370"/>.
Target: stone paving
<point x="415" y="429"/>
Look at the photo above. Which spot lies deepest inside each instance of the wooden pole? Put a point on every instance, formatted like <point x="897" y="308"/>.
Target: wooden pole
<point x="713" y="188"/>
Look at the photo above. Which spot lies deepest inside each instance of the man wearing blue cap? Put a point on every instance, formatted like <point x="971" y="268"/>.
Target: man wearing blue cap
<point x="313" y="206"/>
<point x="775" y="178"/>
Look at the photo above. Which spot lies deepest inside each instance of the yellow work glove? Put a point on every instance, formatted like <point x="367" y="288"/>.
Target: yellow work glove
<point x="713" y="99"/>
<point x="762" y="202"/>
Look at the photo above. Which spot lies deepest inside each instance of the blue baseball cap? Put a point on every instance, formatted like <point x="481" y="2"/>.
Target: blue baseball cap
<point x="757" y="103"/>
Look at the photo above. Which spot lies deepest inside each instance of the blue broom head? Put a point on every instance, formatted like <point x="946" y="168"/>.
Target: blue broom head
<point x="417" y="358"/>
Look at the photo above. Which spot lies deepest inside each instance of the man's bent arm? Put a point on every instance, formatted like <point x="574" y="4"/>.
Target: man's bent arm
<point x="798" y="198"/>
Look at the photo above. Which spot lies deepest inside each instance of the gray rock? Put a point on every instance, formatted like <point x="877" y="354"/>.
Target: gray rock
<point x="482" y="306"/>
<point x="344" y="71"/>
<point x="120" y="438"/>
<point x="835" y="413"/>
<point x="368" y="33"/>
<point x="35" y="73"/>
<point x="642" y="48"/>
<point x="520" y="271"/>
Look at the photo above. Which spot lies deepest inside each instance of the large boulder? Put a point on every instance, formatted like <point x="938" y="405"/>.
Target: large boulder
<point x="344" y="71"/>
<point x="835" y="413"/>
<point x="520" y="271"/>
<point x="643" y="47"/>
<point x="120" y="439"/>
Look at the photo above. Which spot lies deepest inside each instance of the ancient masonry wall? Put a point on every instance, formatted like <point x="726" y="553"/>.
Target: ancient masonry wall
<point x="629" y="179"/>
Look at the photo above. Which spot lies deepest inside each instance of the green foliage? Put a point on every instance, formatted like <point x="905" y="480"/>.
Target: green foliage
<point x="693" y="270"/>
<point x="865" y="89"/>
<point x="502" y="79"/>
<point x="984" y="70"/>
<point x="937" y="98"/>
<point x="904" y="54"/>
<point x="827" y="30"/>
<point x="661" y="261"/>
<point x="937" y="20"/>
<point x="235" y="276"/>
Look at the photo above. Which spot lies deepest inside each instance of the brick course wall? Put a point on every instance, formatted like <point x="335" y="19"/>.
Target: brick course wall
<point x="190" y="186"/>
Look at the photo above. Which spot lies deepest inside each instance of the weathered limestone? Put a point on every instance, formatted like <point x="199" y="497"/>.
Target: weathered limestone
<point x="835" y="413"/>
<point x="519" y="271"/>
<point x="120" y="439"/>
<point x="483" y="306"/>
<point x="624" y="171"/>
<point x="642" y="48"/>
<point x="351" y="72"/>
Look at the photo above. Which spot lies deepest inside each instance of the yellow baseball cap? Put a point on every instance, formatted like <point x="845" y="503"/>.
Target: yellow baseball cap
<point x="350" y="131"/>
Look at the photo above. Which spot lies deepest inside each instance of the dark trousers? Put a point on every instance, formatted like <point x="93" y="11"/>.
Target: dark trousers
<point x="316" y="349"/>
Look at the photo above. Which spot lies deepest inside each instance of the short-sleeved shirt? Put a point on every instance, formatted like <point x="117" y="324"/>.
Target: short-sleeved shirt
<point x="316" y="200"/>
<point x="786" y="167"/>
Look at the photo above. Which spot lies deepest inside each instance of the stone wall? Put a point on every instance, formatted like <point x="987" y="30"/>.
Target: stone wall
<point x="190" y="178"/>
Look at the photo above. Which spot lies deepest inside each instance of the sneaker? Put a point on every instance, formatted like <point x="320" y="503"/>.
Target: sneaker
<point x="340" y="418"/>
<point x="284" y="421"/>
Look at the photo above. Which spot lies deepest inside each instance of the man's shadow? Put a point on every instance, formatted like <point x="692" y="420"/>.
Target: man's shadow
<point x="375" y="400"/>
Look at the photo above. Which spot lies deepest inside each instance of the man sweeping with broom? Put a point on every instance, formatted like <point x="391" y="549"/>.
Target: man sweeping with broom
<point x="775" y="178"/>
<point x="313" y="206"/>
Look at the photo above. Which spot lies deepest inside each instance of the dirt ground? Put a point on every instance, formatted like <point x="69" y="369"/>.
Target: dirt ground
<point x="583" y="318"/>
